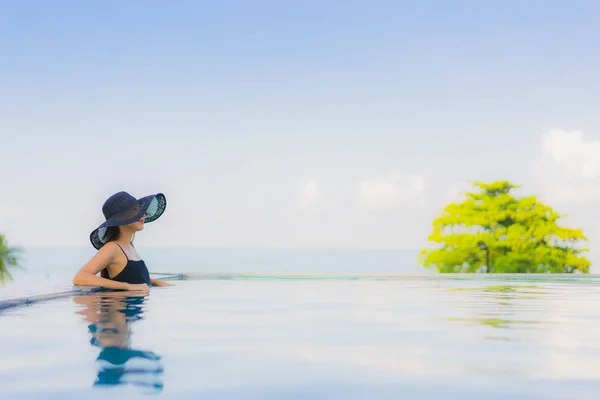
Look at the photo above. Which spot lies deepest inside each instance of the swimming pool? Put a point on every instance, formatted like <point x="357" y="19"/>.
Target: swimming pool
<point x="341" y="337"/>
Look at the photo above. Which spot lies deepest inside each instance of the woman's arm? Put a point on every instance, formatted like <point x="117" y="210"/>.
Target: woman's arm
<point x="87" y="275"/>
<point x="156" y="282"/>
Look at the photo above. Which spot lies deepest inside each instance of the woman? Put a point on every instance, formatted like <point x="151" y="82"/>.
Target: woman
<point x="117" y="260"/>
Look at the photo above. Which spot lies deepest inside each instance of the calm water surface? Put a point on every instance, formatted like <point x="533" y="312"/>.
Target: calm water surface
<point x="296" y="339"/>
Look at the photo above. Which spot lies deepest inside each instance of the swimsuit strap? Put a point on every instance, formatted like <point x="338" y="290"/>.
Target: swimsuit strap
<point x="122" y="251"/>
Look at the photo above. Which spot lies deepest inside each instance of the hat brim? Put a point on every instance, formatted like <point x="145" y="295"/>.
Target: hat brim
<point x="150" y="208"/>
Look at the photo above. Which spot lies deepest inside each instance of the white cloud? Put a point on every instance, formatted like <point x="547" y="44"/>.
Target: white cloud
<point x="578" y="157"/>
<point x="311" y="190"/>
<point x="568" y="168"/>
<point x="309" y="194"/>
<point x="389" y="191"/>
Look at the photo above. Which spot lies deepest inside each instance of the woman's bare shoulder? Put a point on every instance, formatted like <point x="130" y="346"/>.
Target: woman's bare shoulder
<point x="109" y="251"/>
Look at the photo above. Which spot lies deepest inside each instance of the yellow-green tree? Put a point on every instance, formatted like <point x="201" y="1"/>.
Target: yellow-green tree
<point x="9" y="257"/>
<point x="493" y="231"/>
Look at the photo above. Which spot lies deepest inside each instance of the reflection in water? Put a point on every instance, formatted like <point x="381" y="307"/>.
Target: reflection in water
<point x="498" y="322"/>
<point x="491" y="314"/>
<point x="110" y="315"/>
<point x="501" y="289"/>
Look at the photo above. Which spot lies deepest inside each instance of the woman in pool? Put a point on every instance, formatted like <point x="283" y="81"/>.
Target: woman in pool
<point x="117" y="260"/>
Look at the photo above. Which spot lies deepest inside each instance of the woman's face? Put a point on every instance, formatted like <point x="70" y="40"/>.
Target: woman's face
<point x="139" y="224"/>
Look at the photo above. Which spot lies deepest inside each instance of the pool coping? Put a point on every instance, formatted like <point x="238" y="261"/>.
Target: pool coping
<point x="75" y="290"/>
<point x="548" y="278"/>
<point x="24" y="301"/>
<point x="388" y="276"/>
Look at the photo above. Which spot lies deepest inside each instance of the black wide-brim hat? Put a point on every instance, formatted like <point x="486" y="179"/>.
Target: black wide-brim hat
<point x="122" y="208"/>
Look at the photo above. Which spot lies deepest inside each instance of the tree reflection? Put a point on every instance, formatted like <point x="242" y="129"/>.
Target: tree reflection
<point x="110" y="315"/>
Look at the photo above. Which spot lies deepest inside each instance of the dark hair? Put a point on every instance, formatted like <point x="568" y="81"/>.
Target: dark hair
<point x="112" y="233"/>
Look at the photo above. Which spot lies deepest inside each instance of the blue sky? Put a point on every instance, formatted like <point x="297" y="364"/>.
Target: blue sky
<point x="293" y="124"/>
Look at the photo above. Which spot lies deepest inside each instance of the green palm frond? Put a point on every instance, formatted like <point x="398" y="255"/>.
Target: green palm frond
<point x="10" y="257"/>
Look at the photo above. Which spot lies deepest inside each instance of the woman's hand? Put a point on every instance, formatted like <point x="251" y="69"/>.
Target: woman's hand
<point x="156" y="282"/>
<point x="140" y="287"/>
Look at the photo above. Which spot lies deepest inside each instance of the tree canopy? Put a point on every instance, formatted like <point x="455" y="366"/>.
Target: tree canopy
<point x="9" y="257"/>
<point x="493" y="231"/>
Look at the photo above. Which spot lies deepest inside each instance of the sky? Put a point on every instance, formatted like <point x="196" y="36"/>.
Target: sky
<point x="313" y="124"/>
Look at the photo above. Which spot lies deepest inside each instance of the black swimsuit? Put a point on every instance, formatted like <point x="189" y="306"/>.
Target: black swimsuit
<point x="135" y="272"/>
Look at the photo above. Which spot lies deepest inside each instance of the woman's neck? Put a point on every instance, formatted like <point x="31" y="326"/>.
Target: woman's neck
<point x="125" y="238"/>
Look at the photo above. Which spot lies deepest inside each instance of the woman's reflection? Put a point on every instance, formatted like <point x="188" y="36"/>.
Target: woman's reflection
<point x="109" y="315"/>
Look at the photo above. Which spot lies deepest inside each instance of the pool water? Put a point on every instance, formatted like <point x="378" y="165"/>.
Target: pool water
<point x="270" y="338"/>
